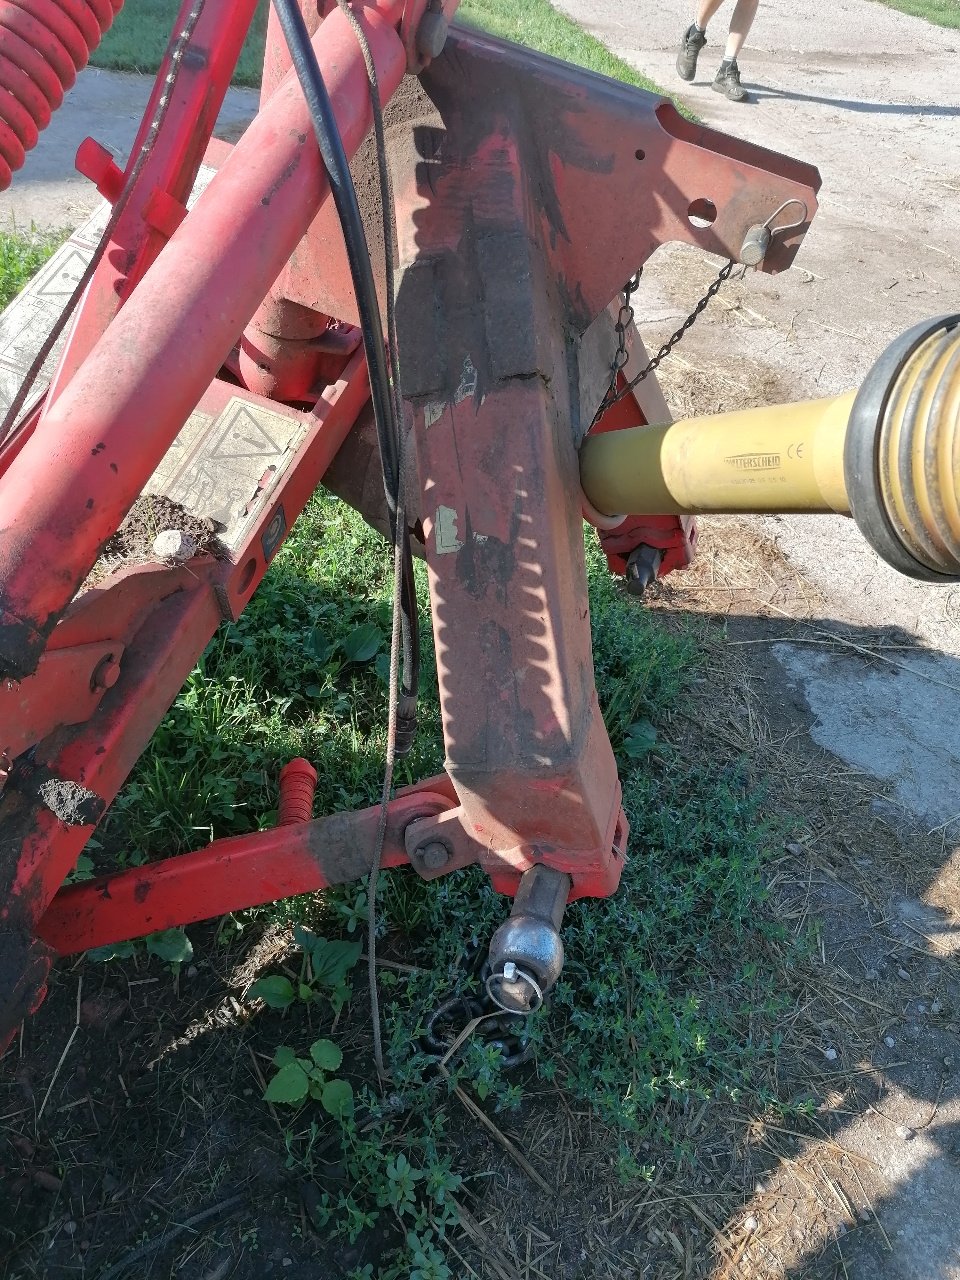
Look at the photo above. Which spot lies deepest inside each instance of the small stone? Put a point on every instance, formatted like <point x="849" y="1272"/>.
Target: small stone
<point x="921" y="1008"/>
<point x="192" y="971"/>
<point x="750" y="1225"/>
<point x="936" y="1007"/>
<point x="174" y="545"/>
<point x="948" y="1063"/>
<point x="841" y="1229"/>
<point x="247" y="1093"/>
<point x="70" y="1227"/>
<point x="830" y="1054"/>
<point x="796" y="849"/>
<point x="902" y="973"/>
<point x="864" y="1215"/>
<point x="889" y="1041"/>
<point x="287" y="1262"/>
<point x="760" y="1189"/>
<point x="904" y="1132"/>
<point x="871" y="975"/>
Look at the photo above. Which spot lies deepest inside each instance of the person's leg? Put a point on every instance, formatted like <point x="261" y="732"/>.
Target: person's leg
<point x="728" y="77"/>
<point x="705" y="11"/>
<point x="740" y="24"/>
<point x="694" y="38"/>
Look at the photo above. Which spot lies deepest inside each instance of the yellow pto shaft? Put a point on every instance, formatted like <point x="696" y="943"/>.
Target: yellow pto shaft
<point x="789" y="458"/>
<point x="888" y="454"/>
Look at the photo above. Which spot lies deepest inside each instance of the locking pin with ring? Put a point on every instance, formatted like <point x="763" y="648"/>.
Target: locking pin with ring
<point x="756" y="243"/>
<point x="526" y="952"/>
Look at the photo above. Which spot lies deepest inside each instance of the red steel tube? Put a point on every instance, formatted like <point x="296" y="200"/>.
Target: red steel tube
<point x="74" y="481"/>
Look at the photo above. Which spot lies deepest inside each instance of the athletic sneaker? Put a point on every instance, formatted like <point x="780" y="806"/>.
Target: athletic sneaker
<point x="728" y="82"/>
<point x="691" y="43"/>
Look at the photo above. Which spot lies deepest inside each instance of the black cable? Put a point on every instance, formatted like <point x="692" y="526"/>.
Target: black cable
<point x="384" y="389"/>
<point x="410" y="628"/>
<point x="345" y="198"/>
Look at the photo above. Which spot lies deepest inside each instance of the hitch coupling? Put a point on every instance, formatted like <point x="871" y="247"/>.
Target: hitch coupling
<point x="526" y="952"/>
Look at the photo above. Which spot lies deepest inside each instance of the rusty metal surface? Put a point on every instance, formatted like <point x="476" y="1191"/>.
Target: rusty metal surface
<point x="64" y="690"/>
<point x="612" y="171"/>
<point x="229" y="875"/>
<point x="37" y="847"/>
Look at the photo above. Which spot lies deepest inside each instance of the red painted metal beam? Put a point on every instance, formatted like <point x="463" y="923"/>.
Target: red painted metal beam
<point x="229" y="875"/>
<point x="170" y="170"/>
<point x="67" y="491"/>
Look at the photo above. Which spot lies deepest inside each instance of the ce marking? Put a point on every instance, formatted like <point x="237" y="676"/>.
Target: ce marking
<point x="796" y="450"/>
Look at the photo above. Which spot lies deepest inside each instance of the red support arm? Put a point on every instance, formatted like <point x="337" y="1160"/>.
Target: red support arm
<point x="74" y="481"/>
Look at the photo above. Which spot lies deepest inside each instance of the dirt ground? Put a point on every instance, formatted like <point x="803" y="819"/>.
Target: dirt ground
<point x="871" y="97"/>
<point x="819" y="660"/>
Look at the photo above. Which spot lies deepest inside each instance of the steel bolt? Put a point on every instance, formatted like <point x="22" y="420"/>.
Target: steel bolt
<point x="434" y="855"/>
<point x="106" y="673"/>
<point x="509" y="971"/>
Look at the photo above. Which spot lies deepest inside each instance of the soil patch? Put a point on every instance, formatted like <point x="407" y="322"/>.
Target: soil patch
<point x="149" y="516"/>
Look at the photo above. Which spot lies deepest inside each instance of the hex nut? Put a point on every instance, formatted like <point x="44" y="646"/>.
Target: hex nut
<point x="434" y="855"/>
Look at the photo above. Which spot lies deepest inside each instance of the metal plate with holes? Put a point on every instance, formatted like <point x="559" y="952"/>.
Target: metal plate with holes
<point x="30" y="316"/>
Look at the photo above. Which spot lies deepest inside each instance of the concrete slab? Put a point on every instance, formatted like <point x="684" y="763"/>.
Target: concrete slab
<point x="107" y="105"/>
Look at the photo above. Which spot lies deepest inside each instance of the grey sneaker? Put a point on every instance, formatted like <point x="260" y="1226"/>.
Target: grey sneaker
<point x="728" y="82"/>
<point x="691" y="42"/>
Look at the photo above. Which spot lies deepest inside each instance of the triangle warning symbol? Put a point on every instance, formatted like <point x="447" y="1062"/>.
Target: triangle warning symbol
<point x="245" y="437"/>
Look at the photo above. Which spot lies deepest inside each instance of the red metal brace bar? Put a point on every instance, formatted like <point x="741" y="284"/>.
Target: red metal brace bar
<point x="169" y="172"/>
<point x="164" y="617"/>
<point x="245" y="871"/>
<point x="523" y="212"/>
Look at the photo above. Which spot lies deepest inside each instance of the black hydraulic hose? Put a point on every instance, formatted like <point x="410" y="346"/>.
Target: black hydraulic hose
<point x="384" y="397"/>
<point x="345" y="198"/>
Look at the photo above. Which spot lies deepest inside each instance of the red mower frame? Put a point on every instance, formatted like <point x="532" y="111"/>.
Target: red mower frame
<point x="527" y="192"/>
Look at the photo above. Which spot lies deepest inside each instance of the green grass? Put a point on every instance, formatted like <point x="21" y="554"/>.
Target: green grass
<point x="628" y="1033"/>
<point x="538" y="25"/>
<point x="21" y="256"/>
<point x="138" y="38"/>
<point x="944" y="13"/>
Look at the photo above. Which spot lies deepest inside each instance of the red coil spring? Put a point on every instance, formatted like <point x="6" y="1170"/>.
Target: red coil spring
<point x="43" y="44"/>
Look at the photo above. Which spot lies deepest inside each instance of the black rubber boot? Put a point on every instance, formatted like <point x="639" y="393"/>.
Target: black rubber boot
<point x="728" y="82"/>
<point x="691" y="42"/>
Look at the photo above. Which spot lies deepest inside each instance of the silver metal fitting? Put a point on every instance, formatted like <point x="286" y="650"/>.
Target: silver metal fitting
<point x="756" y="242"/>
<point x="526" y="952"/>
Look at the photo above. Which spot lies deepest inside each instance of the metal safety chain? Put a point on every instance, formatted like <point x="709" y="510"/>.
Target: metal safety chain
<point x="625" y="318"/>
